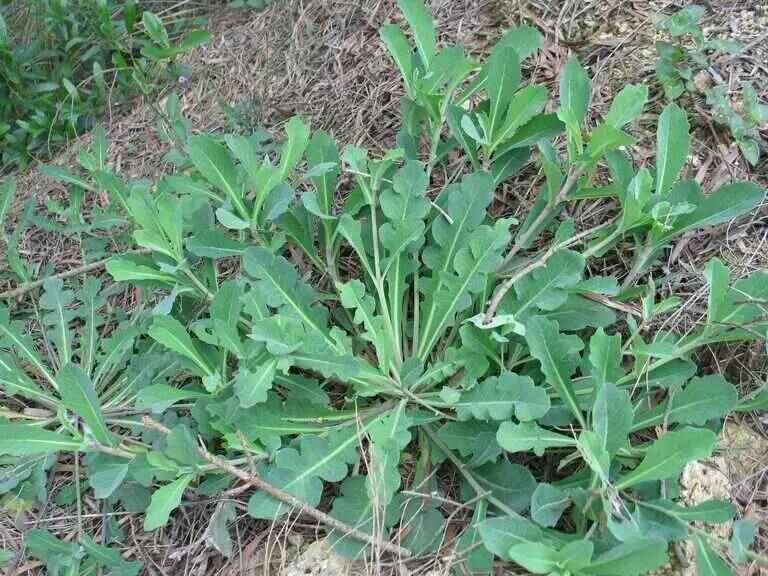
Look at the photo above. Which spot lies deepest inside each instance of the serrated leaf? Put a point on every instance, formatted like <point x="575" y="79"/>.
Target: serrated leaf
<point x="78" y="395"/>
<point x="21" y="440"/>
<point x="547" y="287"/>
<point x="400" y="50"/>
<point x="297" y="138"/>
<point x="215" y="165"/>
<point x="389" y="435"/>
<point x="550" y="349"/>
<point x="668" y="455"/>
<point x="574" y="94"/>
<point x="673" y="142"/>
<point x="164" y="501"/>
<point x="524" y="105"/>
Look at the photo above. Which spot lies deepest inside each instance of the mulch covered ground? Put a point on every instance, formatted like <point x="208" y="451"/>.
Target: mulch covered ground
<point x="323" y="60"/>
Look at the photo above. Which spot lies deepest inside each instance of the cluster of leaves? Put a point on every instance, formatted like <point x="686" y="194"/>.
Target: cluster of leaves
<point x="61" y="61"/>
<point x="447" y="341"/>
<point x="685" y="64"/>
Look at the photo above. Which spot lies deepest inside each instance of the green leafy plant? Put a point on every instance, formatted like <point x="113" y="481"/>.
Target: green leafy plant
<point x="685" y="64"/>
<point x="311" y="317"/>
<point x="61" y="61"/>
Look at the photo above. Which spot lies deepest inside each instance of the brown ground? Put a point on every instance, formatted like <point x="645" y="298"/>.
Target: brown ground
<point x="323" y="60"/>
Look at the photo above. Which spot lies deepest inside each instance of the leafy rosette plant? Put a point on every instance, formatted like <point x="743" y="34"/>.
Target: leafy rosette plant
<point x="318" y="322"/>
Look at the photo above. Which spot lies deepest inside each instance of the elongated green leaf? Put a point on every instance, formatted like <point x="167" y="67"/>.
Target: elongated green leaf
<point x="529" y="436"/>
<point x="502" y="71"/>
<point x="668" y="455"/>
<point x="744" y="532"/>
<point x="524" y="105"/>
<point x="169" y="332"/>
<point x="127" y="270"/>
<point x="58" y="301"/>
<point x="496" y="398"/>
<point x="630" y="558"/>
<point x="627" y="105"/>
<point x="422" y="28"/>
<point x="77" y="392"/>
<point x="550" y="349"/>
<point x="7" y="194"/>
<point x="297" y="135"/>
<point x="164" y="501"/>
<point x="214" y="163"/>
<point x="500" y="534"/>
<point x="605" y="357"/>
<point x="401" y="52"/>
<point x="22" y="440"/>
<point x="14" y="381"/>
<point x="574" y="93"/>
<point x="612" y="416"/>
<point x="214" y="244"/>
<point x="673" y="142"/>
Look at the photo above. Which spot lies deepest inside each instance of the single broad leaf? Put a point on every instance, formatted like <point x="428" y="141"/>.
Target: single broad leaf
<point x="217" y="533"/>
<point x="106" y="474"/>
<point x="535" y="557"/>
<point x="214" y="244"/>
<point x="605" y="357"/>
<point x="23" y="440"/>
<point x="627" y="105"/>
<point x="529" y="436"/>
<point x="110" y="558"/>
<point x="501" y="533"/>
<point x="297" y="138"/>
<point x="164" y="501"/>
<point x="389" y="435"/>
<point x="155" y="29"/>
<point x="708" y="562"/>
<point x="547" y="288"/>
<point x="78" y="394"/>
<point x="476" y="558"/>
<point x="668" y="455"/>
<point x="742" y="539"/>
<point x="424" y="530"/>
<point x="169" y="332"/>
<point x="422" y="28"/>
<point x="215" y="164"/>
<point x="550" y="348"/>
<point x="630" y="558"/>
<point x="673" y="142"/>
<point x="193" y="39"/>
<point x="128" y="270"/>
<point x="495" y="398"/>
<point x="612" y="416"/>
<point x="251" y="386"/>
<point x="548" y="503"/>
<point x="322" y="150"/>
<point x="524" y="39"/>
<point x="512" y="484"/>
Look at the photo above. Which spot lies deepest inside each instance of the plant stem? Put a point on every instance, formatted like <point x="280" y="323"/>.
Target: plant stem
<point x="462" y="468"/>
<point x="522" y="239"/>
<point x="85" y="268"/>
